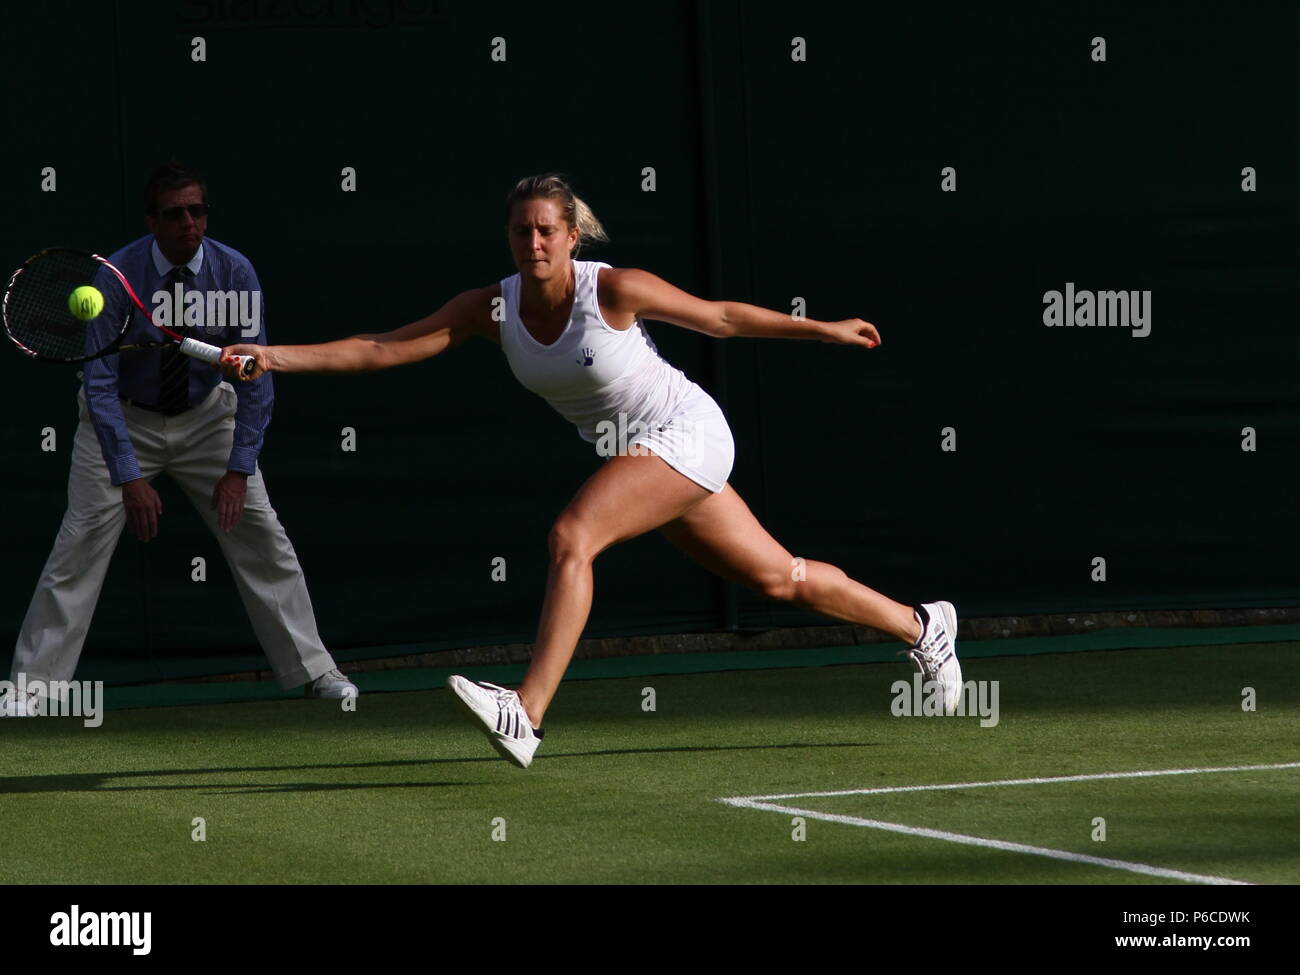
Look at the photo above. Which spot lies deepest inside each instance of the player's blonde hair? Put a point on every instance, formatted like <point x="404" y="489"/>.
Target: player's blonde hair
<point x="576" y="213"/>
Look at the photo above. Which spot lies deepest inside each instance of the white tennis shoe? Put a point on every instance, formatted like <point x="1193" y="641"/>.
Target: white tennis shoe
<point x="935" y="653"/>
<point x="499" y="714"/>
<point x="331" y="686"/>
<point x="14" y="705"/>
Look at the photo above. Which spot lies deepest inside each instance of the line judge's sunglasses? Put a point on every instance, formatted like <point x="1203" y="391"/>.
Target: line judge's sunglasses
<point x="196" y="210"/>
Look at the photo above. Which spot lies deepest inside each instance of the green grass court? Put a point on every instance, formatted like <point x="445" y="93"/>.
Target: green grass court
<point x="405" y="791"/>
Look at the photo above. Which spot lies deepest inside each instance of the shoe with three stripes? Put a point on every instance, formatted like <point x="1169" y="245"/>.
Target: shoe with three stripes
<point x="499" y="715"/>
<point x="935" y="653"/>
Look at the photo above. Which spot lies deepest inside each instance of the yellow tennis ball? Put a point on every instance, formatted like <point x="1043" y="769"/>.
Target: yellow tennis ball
<point x="85" y="303"/>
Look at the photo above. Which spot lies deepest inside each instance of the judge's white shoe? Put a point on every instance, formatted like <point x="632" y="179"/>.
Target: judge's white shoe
<point x="15" y="705"/>
<point x="332" y="686"/>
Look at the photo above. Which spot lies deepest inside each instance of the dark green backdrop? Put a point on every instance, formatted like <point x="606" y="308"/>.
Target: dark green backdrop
<point x="776" y="179"/>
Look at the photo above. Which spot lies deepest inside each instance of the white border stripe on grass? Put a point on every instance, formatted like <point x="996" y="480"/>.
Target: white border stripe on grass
<point x="763" y="803"/>
<point x="1001" y="782"/>
<point x="936" y="834"/>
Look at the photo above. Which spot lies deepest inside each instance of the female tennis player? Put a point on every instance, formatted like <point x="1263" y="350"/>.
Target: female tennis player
<point x="571" y="331"/>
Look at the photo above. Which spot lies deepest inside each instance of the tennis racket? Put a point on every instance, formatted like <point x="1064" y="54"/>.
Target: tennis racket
<point x="38" y="312"/>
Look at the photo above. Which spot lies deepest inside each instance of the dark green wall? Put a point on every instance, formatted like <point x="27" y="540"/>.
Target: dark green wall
<point x="776" y="179"/>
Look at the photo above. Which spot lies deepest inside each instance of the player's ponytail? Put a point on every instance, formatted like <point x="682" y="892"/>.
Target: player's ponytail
<point x="576" y="213"/>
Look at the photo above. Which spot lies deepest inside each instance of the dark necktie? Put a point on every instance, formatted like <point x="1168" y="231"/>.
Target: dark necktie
<point x="174" y="370"/>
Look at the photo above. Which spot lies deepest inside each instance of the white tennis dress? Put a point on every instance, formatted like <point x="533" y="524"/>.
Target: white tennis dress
<point x="613" y="384"/>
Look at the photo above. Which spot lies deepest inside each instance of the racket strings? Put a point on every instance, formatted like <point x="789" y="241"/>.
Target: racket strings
<point x="37" y="315"/>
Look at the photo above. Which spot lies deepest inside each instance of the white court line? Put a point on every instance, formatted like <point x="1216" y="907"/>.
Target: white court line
<point x="761" y="803"/>
<point x="1043" y="781"/>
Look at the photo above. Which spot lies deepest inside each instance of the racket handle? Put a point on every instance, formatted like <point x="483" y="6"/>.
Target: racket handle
<point x="201" y="350"/>
<point x="212" y="354"/>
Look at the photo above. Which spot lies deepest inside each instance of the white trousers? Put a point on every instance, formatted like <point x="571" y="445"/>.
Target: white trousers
<point x="194" y="448"/>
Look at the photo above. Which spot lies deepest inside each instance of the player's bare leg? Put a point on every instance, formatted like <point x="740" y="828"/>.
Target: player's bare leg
<point x="628" y="496"/>
<point x="722" y="534"/>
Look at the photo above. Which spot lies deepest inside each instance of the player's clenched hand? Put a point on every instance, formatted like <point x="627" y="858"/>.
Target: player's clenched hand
<point x="853" y="332"/>
<point x="228" y="499"/>
<point x="259" y="354"/>
<point x="143" y="506"/>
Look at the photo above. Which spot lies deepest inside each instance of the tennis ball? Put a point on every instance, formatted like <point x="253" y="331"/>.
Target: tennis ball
<point x="85" y="303"/>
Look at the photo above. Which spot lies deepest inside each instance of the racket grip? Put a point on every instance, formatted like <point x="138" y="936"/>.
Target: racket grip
<point x="212" y="354"/>
<point x="201" y="350"/>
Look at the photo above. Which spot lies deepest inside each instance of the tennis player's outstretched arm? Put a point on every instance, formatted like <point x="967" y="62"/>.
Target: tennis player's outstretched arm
<point x="628" y="291"/>
<point x="466" y="315"/>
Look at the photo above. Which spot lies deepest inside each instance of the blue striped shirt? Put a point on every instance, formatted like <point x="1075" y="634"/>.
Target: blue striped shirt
<point x="135" y="375"/>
